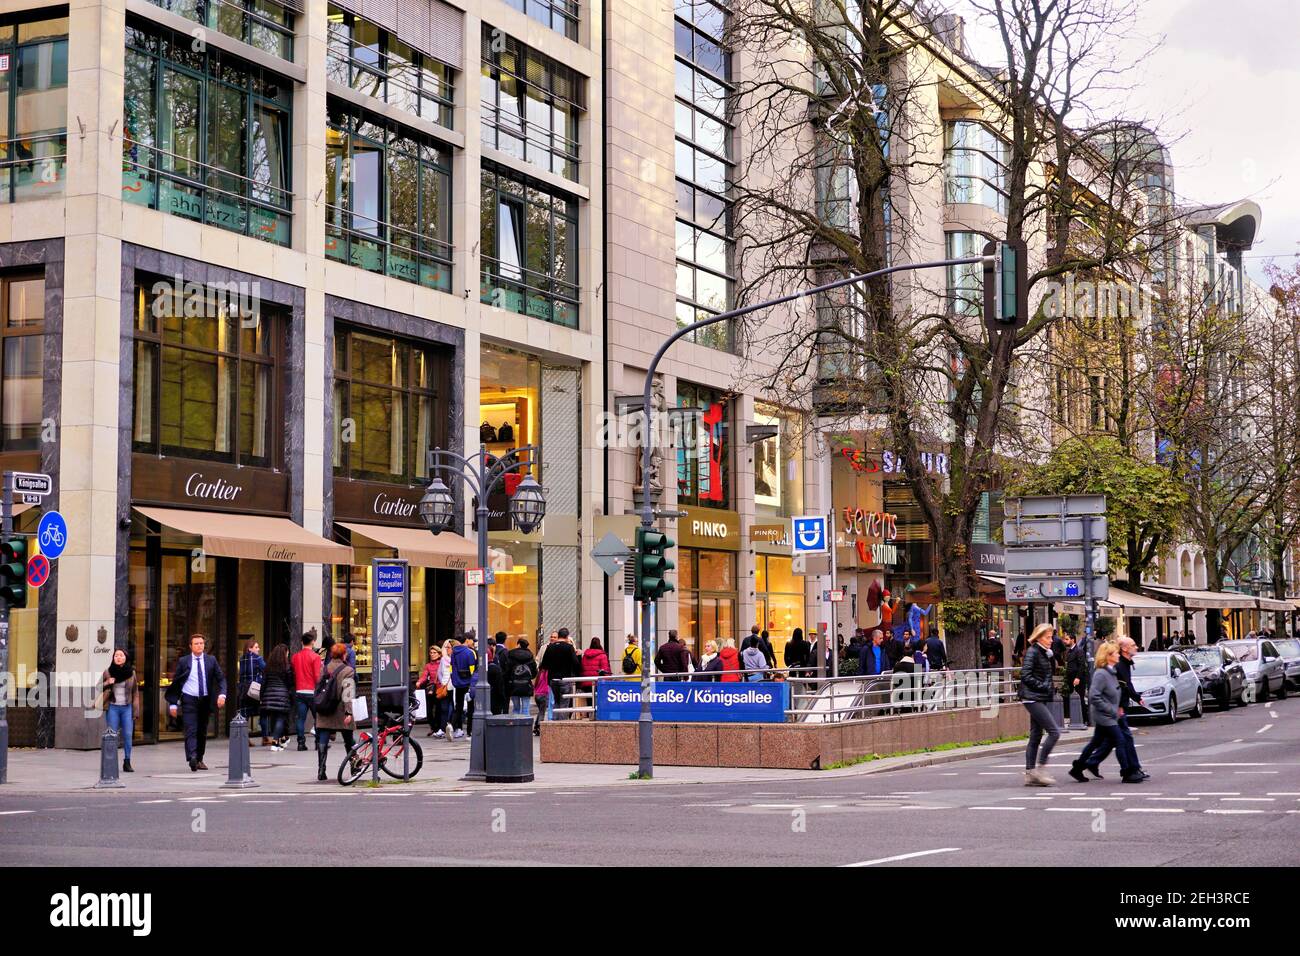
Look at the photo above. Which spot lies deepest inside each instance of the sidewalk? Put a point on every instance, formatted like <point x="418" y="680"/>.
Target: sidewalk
<point x="161" y="769"/>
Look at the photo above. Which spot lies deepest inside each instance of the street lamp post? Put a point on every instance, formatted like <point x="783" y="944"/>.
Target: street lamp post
<point x="438" y="511"/>
<point x="645" y="725"/>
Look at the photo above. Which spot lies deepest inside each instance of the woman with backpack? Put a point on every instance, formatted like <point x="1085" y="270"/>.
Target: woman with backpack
<point x="631" y="665"/>
<point x="753" y="660"/>
<point x="595" y="663"/>
<point x="520" y="671"/>
<point x="277" y="697"/>
<point x="334" y="705"/>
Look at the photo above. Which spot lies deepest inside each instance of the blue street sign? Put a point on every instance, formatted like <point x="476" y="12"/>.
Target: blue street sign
<point x="810" y="534"/>
<point x="52" y="533"/>
<point x="760" y="702"/>
<point x="390" y="578"/>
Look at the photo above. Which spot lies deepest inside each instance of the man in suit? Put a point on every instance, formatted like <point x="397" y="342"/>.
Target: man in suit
<point x="198" y="687"/>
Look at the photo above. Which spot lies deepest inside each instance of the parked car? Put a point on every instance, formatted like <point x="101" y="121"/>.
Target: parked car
<point x="1222" y="676"/>
<point x="1289" y="648"/>
<point x="1168" y="685"/>
<point x="1263" y="665"/>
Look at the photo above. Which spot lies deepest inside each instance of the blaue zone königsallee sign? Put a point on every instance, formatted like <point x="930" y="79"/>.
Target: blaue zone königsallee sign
<point x="685" y="701"/>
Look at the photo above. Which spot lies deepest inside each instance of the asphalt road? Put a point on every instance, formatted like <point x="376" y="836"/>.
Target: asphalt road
<point x="1225" y="790"/>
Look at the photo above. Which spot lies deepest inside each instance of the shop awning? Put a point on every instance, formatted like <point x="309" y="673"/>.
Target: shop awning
<point x="254" y="537"/>
<point x="1273" y="604"/>
<point x="1123" y="603"/>
<point x="420" y="547"/>
<point x="1204" y="600"/>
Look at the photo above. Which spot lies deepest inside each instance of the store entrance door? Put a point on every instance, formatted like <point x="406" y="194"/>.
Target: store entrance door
<point x="187" y="604"/>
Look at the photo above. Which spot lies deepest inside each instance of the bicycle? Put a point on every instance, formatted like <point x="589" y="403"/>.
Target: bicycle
<point x="393" y="743"/>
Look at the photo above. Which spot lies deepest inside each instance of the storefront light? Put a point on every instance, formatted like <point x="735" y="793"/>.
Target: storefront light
<point x="528" y="505"/>
<point x="437" y="507"/>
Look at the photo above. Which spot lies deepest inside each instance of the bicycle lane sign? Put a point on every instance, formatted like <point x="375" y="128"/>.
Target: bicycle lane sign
<point x="52" y="534"/>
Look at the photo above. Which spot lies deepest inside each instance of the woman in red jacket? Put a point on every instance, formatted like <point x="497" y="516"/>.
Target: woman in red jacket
<point x="730" y="658"/>
<point x="595" y="663"/>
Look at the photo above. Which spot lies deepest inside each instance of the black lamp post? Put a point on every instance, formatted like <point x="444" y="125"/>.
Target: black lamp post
<point x="438" y="512"/>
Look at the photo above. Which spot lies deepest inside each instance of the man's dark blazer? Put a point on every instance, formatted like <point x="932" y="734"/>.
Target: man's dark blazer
<point x="216" y="681"/>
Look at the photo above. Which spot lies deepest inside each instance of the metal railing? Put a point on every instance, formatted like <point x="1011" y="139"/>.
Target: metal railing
<point x="253" y="208"/>
<point x="378" y="246"/>
<point x="372" y="81"/>
<point x="217" y="14"/>
<point x="521" y="290"/>
<point x="837" y="699"/>
<point x="558" y="148"/>
<point x="46" y="170"/>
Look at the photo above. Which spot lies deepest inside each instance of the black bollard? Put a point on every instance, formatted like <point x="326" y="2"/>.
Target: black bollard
<point x="108" y="762"/>
<point x="241" y="765"/>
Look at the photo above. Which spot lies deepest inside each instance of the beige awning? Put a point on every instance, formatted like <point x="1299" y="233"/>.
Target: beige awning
<point x="255" y="537"/>
<point x="420" y="547"/>
<point x="1123" y="603"/>
<point x="1273" y="604"/>
<point x="1205" y="600"/>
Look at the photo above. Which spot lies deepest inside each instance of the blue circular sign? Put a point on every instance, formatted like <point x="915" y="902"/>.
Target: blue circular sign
<point x="52" y="534"/>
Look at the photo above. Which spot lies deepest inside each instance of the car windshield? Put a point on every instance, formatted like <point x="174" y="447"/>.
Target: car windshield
<point x="1245" y="650"/>
<point x="1288" y="648"/>
<point x="1156" y="665"/>
<point x="1204" y="657"/>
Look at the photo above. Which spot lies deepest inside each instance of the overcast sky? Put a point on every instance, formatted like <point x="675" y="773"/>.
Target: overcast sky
<point x="1226" y="80"/>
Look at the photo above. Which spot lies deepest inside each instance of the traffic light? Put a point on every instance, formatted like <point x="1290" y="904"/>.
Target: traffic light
<point x="13" y="571"/>
<point x="1006" y="285"/>
<point x="652" y="564"/>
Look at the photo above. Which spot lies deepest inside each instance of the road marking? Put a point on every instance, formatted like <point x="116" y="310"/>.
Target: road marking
<point x="770" y="793"/>
<point x="152" y="801"/>
<point x="1264" y="772"/>
<point x="1264" y="728"/>
<point x="1283" y="793"/>
<point x="708" y="805"/>
<point x="1154" y="810"/>
<point x="1248" y="799"/>
<point x="1030" y="798"/>
<point x="997" y="773"/>
<point x="1130" y="793"/>
<point x="263" y="801"/>
<point x="907" y="793"/>
<point x="511" y="793"/>
<point x="567" y="793"/>
<point x="1236" y="765"/>
<point x="1097" y="798"/>
<point x="1214" y="793"/>
<point x="949" y="773"/>
<point x="776" y="806"/>
<point x="1240" y="740"/>
<point x="1178" y="799"/>
<point x="1190" y="773"/>
<point x="906" y="856"/>
<point x="1273" y="714"/>
<point x="1073" y="809"/>
<point x="14" y="813"/>
<point x="997" y="808"/>
<point x="1234" y="811"/>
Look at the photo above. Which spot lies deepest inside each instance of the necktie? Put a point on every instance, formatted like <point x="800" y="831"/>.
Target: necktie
<point x="203" y="689"/>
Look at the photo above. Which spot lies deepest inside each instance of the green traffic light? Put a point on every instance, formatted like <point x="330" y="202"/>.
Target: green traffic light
<point x="13" y="571"/>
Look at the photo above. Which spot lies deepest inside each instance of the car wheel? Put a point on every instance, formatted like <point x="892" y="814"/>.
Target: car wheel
<point x="1263" y="690"/>
<point x="1172" y="716"/>
<point x="1281" y="690"/>
<point x="1224" y="697"/>
<point x="1199" y="709"/>
<point x="1241" y="698"/>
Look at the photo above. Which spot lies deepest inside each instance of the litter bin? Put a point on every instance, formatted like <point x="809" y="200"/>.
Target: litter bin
<point x="509" y="748"/>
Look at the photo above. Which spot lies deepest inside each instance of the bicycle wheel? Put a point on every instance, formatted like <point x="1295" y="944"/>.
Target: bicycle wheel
<point x="357" y="763"/>
<point x="391" y="762"/>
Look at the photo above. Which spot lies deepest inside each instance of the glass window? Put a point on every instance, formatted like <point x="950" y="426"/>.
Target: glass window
<point x="202" y="389"/>
<point x="33" y="108"/>
<point x="529" y="249"/>
<point x="531" y="113"/>
<point x="206" y="136"/>
<point x="703" y="452"/>
<point x="975" y="165"/>
<point x="265" y="24"/>
<point x="707" y="599"/>
<point x="22" y="363"/>
<point x="965" y="283"/>
<point x="385" y="394"/>
<point x="388" y="199"/>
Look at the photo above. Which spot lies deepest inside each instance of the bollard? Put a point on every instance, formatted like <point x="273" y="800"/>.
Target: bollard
<point x="108" y="763"/>
<point x="241" y="765"/>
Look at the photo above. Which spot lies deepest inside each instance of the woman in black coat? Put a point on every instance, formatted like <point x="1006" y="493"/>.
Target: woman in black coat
<point x="277" y="698"/>
<point x="1036" y="691"/>
<point x="796" y="651"/>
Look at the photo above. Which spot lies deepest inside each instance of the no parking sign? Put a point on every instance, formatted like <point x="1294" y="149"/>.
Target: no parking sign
<point x="38" y="570"/>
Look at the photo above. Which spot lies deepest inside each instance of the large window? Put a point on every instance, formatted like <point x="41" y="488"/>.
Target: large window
<point x="975" y="165"/>
<point x="560" y="15"/>
<point x="529" y="246"/>
<point x="779" y="603"/>
<point x="265" y="24"/>
<point x="388" y="199"/>
<point x="965" y="283"/>
<point x="33" y="107"/>
<point x="22" y="307"/>
<point x="367" y="58"/>
<point x="389" y="404"/>
<point x="530" y="104"/>
<point x="706" y="587"/>
<point x="206" y="377"/>
<point x="205" y="136"/>
<point x="703" y="465"/>
<point x="705" y="250"/>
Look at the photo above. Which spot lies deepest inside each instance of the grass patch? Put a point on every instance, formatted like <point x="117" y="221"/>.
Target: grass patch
<point x="868" y="758"/>
<point x="638" y="775"/>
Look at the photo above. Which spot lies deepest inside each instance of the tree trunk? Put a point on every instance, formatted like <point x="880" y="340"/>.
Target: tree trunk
<point x="957" y="581"/>
<point x="1213" y="616"/>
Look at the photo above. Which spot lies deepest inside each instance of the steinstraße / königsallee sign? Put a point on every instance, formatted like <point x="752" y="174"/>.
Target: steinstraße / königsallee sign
<point x="759" y="702"/>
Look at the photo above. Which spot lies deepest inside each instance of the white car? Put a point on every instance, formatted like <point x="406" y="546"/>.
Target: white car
<point x="1289" y="648"/>
<point x="1264" y="665"/>
<point x="1168" y="685"/>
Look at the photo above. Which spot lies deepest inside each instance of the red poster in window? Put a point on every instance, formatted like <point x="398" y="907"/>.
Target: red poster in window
<point x="712" y="419"/>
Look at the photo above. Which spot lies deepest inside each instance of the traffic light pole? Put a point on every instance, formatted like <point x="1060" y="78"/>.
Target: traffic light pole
<point x="7" y="527"/>
<point x="645" y="725"/>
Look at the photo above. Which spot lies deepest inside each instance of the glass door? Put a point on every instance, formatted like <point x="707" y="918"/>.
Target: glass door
<point x="187" y="604"/>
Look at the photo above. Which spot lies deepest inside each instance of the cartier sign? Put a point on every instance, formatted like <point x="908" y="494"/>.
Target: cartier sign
<point x="377" y="503"/>
<point x="209" y="485"/>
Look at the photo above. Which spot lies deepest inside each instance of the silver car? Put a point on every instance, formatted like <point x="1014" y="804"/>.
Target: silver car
<point x="1263" y="665"/>
<point x="1168" y="685"/>
<point x="1289" y="648"/>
